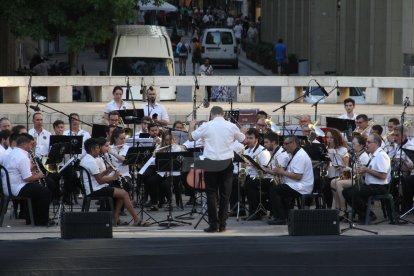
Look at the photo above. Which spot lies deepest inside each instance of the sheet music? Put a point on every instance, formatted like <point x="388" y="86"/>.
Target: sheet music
<point x="336" y="159"/>
<point x="142" y="142"/>
<point x="146" y="165"/>
<point x="67" y="164"/>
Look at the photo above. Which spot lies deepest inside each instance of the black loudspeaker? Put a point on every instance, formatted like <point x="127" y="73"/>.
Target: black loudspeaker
<point x="89" y="225"/>
<point x="313" y="222"/>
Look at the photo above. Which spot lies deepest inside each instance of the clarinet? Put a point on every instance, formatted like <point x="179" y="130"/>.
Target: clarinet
<point x="42" y="181"/>
<point x="121" y="179"/>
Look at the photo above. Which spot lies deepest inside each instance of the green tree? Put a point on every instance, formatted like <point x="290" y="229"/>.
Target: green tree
<point x="82" y="22"/>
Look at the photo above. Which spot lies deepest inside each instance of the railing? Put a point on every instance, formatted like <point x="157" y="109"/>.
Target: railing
<point x="379" y="90"/>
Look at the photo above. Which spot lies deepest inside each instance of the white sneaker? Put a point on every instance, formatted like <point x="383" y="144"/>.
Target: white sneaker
<point x="80" y="196"/>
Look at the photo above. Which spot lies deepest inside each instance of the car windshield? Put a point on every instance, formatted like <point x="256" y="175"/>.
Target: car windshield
<point x="138" y="66"/>
<point x="219" y="38"/>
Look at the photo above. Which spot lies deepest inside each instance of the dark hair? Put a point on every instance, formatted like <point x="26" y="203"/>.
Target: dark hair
<point x="4" y="134"/>
<point x="272" y="137"/>
<point x="177" y="123"/>
<point x="115" y="135"/>
<point x="117" y="88"/>
<point x="395" y="121"/>
<point x="13" y="137"/>
<point x="293" y="138"/>
<point x="18" y="128"/>
<point x="363" y="117"/>
<point x="146" y="118"/>
<point x="58" y="122"/>
<point x="108" y="127"/>
<point x="24" y="138"/>
<point x="261" y="112"/>
<point x="349" y="100"/>
<point x="90" y="144"/>
<point x="253" y="131"/>
<point x="71" y="115"/>
<point x="101" y="141"/>
<point x="280" y="40"/>
<point x="3" y="119"/>
<point x="377" y="128"/>
<point x="36" y="113"/>
<point x="113" y="112"/>
<point x="152" y="125"/>
<point x="361" y="139"/>
<point x="216" y="110"/>
<point x="337" y="137"/>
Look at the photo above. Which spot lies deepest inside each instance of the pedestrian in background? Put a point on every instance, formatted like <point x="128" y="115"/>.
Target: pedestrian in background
<point x="280" y="51"/>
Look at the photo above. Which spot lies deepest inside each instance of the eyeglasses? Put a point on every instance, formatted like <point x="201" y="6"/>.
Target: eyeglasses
<point x="370" y="142"/>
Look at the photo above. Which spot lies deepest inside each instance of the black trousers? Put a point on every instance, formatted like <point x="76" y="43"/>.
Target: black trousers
<point x="165" y="189"/>
<point x="357" y="196"/>
<point x="234" y="197"/>
<point x="281" y="200"/>
<point x="408" y="193"/>
<point x="153" y="185"/>
<point x="41" y="198"/>
<point x="218" y="179"/>
<point x="252" y="192"/>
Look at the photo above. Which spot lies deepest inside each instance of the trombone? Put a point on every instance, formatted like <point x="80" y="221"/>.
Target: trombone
<point x="128" y="131"/>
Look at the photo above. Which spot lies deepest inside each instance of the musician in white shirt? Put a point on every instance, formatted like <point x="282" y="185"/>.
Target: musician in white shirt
<point x="297" y="177"/>
<point x="349" y="105"/>
<point x="41" y="136"/>
<point x="254" y="181"/>
<point x="155" y="110"/>
<point x="377" y="176"/>
<point x="24" y="183"/>
<point x="75" y="130"/>
<point x="117" y="103"/>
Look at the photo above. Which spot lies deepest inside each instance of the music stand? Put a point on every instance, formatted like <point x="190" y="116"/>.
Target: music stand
<point x="344" y="125"/>
<point x="180" y="136"/>
<point x="410" y="155"/>
<point x="238" y="159"/>
<point x="74" y="143"/>
<point x="292" y="130"/>
<point x="144" y="135"/>
<point x="134" y="156"/>
<point x="316" y="151"/>
<point x="232" y="116"/>
<point x="260" y="208"/>
<point x="170" y="162"/>
<point x="131" y="116"/>
<point x="98" y="130"/>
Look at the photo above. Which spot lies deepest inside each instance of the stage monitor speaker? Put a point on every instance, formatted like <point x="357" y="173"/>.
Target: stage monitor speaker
<point x="86" y="225"/>
<point x="313" y="222"/>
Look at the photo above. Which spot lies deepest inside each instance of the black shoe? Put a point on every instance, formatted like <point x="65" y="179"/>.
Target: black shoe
<point x="222" y="229"/>
<point x="51" y="223"/>
<point x="253" y="217"/>
<point x="153" y="208"/>
<point x="211" y="230"/>
<point x="276" y="222"/>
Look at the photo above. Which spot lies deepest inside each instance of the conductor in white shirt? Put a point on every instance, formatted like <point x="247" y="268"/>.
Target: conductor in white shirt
<point x="155" y="110"/>
<point x="219" y="136"/>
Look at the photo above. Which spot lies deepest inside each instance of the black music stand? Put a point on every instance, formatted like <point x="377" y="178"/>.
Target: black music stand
<point x="260" y="208"/>
<point x="316" y="151"/>
<point x="238" y="205"/>
<point x="74" y="143"/>
<point x="180" y="136"/>
<point x="232" y="116"/>
<point x="131" y="116"/>
<point x="344" y="125"/>
<point x="295" y="130"/>
<point x="98" y="130"/>
<point x="194" y="163"/>
<point x="134" y="156"/>
<point x="410" y="154"/>
<point x="170" y="162"/>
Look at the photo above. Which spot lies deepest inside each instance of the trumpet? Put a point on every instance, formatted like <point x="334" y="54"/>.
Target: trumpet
<point x="361" y="132"/>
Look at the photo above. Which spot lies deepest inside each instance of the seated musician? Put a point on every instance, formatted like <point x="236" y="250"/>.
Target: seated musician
<point x="305" y="120"/>
<point x="237" y="185"/>
<point x="349" y="105"/>
<point x="263" y="129"/>
<point x="254" y="180"/>
<point x="100" y="177"/>
<point x="113" y="118"/>
<point x="377" y="129"/>
<point x="377" y="175"/>
<point x="402" y="164"/>
<point x="297" y="180"/>
<point x="338" y="153"/>
<point x="108" y="131"/>
<point x="24" y="179"/>
<point x="390" y="146"/>
<point x="146" y="120"/>
<point x="361" y="158"/>
<point x="75" y="130"/>
<point x="362" y="125"/>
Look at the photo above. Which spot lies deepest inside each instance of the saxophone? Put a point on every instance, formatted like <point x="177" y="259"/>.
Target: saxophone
<point x="358" y="179"/>
<point x="242" y="173"/>
<point x="277" y="179"/>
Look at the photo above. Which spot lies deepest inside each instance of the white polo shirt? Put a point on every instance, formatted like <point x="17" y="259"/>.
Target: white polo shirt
<point x="91" y="164"/>
<point x="42" y="141"/>
<point x="219" y="136"/>
<point x="112" y="106"/>
<point x="18" y="165"/>
<point x="258" y="154"/>
<point x="156" y="108"/>
<point x="301" y="164"/>
<point x="380" y="162"/>
<point x="345" y="116"/>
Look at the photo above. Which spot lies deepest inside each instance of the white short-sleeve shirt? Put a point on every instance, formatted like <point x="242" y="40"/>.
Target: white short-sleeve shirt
<point x="91" y="164"/>
<point x="380" y="162"/>
<point x="345" y="116"/>
<point x="112" y="106"/>
<point x="258" y="154"/>
<point x="301" y="164"/>
<point x="42" y="141"/>
<point x="18" y="165"/>
<point x="123" y="169"/>
<point x="156" y="108"/>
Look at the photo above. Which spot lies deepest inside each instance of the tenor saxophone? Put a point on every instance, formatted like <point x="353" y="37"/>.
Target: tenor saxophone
<point x="358" y="180"/>
<point x="277" y="179"/>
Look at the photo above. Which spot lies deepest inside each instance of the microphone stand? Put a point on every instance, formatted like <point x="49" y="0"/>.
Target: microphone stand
<point x="129" y="93"/>
<point x="283" y="107"/>
<point x="315" y="104"/>
<point x="29" y="90"/>
<point x="351" y="224"/>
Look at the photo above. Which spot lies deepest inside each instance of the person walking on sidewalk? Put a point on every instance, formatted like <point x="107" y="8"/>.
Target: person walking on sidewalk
<point x="182" y="51"/>
<point x="280" y="51"/>
<point x="207" y="70"/>
<point x="196" y="54"/>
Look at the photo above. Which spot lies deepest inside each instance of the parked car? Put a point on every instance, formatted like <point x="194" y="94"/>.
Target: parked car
<point x="314" y="93"/>
<point x="219" y="45"/>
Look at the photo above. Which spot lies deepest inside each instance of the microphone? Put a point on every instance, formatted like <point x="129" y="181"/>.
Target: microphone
<point x="239" y="84"/>
<point x="35" y="108"/>
<point x="322" y="89"/>
<point x="406" y="102"/>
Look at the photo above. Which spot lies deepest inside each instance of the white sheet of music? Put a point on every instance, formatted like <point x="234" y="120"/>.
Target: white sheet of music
<point x="336" y="160"/>
<point x="146" y="165"/>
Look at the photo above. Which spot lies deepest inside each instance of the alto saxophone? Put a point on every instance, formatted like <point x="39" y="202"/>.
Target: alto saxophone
<point x="242" y="173"/>
<point x="358" y="180"/>
<point x="277" y="179"/>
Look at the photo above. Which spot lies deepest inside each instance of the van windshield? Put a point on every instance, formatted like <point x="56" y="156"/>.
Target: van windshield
<point x="138" y="66"/>
<point x="225" y="38"/>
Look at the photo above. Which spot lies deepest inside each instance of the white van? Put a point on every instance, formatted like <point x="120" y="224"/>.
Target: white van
<point x="219" y="45"/>
<point x="143" y="50"/>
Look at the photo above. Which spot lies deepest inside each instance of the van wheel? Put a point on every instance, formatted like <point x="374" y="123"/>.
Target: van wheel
<point x="235" y="65"/>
